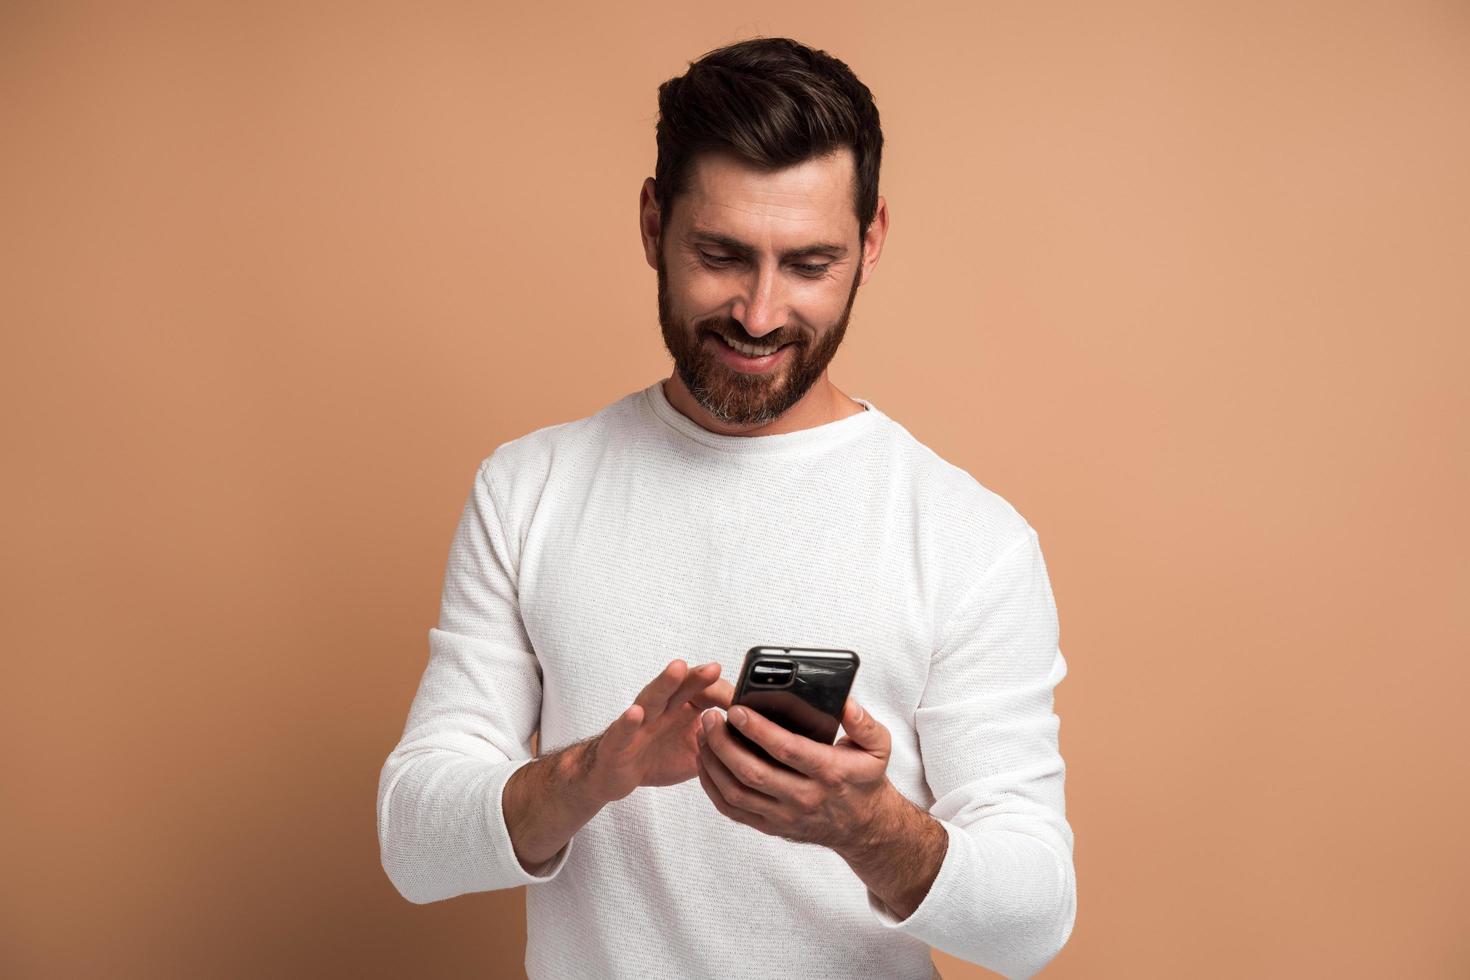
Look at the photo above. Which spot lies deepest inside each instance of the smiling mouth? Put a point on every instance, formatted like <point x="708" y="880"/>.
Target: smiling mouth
<point x="751" y="350"/>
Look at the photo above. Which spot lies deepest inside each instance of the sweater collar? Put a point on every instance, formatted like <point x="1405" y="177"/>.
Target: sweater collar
<point x="810" y="439"/>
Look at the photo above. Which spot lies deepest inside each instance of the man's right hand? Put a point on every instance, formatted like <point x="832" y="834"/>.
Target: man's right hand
<point x="654" y="742"/>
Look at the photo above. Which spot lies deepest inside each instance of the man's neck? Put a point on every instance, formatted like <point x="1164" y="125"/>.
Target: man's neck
<point x="824" y="403"/>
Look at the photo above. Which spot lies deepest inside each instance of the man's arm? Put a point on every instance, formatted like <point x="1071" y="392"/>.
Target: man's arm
<point x="546" y="802"/>
<point x="900" y="856"/>
<point x="1004" y="892"/>
<point x="461" y="802"/>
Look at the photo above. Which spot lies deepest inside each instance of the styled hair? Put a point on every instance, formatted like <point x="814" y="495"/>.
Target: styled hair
<point x="774" y="103"/>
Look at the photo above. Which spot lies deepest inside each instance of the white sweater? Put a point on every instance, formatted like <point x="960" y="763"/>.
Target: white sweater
<point x="591" y="553"/>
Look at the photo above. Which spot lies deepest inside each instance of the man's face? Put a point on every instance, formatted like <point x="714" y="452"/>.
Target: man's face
<point x="767" y="259"/>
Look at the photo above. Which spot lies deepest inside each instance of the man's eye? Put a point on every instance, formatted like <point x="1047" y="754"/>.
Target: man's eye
<point x="810" y="269"/>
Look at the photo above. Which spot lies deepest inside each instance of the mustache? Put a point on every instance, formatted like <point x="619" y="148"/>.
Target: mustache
<point x="734" y="331"/>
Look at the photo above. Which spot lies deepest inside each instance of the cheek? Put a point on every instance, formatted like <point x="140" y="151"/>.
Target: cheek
<point x="818" y="302"/>
<point x="704" y="294"/>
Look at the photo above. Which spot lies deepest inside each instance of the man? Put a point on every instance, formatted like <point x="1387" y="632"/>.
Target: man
<point x="745" y="500"/>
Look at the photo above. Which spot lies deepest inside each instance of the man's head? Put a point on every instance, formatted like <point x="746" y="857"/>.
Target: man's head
<point x="763" y="218"/>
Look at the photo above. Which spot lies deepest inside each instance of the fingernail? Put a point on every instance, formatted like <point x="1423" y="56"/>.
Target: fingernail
<point x="737" y="715"/>
<point x="708" y="720"/>
<point x="857" y="711"/>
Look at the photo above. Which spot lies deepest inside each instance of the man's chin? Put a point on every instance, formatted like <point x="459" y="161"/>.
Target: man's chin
<point x="718" y="376"/>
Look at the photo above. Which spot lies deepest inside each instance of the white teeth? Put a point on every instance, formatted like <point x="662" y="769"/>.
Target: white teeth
<point x="750" y="351"/>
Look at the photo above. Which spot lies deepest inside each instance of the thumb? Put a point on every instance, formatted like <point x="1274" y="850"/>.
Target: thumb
<point x="862" y="727"/>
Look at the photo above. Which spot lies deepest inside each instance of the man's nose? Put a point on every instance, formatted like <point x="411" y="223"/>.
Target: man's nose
<point x="761" y="307"/>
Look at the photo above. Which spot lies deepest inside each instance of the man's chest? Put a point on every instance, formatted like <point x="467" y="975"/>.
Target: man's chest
<point x="616" y="583"/>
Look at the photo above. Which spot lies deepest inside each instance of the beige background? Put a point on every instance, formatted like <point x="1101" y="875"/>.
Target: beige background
<point x="1184" y="282"/>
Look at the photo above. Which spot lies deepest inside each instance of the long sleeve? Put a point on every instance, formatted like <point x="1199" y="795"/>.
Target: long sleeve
<point x="441" y="827"/>
<point x="1005" y="894"/>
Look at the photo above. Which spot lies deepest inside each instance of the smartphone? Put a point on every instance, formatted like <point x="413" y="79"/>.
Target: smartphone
<point x="802" y="689"/>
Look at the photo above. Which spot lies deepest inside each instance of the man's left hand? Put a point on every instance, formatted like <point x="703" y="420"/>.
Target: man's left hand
<point x="837" y="796"/>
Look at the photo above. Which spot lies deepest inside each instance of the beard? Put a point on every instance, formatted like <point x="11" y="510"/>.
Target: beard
<point x="746" y="399"/>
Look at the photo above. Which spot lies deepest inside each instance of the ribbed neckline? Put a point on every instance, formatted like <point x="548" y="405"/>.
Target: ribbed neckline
<point x="802" y="440"/>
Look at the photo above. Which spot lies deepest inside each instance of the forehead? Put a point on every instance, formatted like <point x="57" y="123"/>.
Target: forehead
<point x="810" y="199"/>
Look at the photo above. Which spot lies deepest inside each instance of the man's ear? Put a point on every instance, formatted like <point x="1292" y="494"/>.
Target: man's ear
<point x="872" y="245"/>
<point x="650" y="222"/>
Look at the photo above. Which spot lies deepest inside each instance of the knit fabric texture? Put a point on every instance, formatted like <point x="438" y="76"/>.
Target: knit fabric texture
<point x="591" y="553"/>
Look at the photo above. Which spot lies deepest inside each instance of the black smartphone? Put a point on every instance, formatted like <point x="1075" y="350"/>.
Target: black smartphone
<point x="802" y="689"/>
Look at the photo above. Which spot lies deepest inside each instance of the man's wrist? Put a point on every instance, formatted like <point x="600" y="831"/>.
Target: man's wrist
<point x="899" y="855"/>
<point x="575" y="770"/>
<point x="547" y="802"/>
<point x="879" y="832"/>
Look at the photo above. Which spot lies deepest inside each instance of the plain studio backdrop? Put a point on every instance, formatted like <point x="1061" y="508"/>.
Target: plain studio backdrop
<point x="1184" y="282"/>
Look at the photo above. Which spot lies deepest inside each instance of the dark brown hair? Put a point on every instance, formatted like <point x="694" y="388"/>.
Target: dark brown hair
<point x="774" y="103"/>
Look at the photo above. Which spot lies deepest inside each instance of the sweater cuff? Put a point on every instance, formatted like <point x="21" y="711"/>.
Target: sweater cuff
<point x="935" y="899"/>
<point x="504" y="850"/>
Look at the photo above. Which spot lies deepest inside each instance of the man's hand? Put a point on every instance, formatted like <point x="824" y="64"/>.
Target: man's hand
<point x="839" y="796"/>
<point x="654" y="742"/>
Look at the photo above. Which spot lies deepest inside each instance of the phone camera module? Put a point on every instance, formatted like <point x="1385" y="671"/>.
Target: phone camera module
<point x="773" y="673"/>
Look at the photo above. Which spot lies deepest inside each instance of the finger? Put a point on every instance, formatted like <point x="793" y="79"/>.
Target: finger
<point x="656" y="694"/>
<point x="805" y="755"/>
<point x="748" y="768"/>
<point x="718" y="695"/>
<point x="620" y="732"/>
<point x="698" y="679"/>
<point x="713" y="792"/>
<point x="730" y="791"/>
<point x="862" y="728"/>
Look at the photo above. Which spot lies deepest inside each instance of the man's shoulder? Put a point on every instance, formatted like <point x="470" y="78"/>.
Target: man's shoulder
<point x="953" y="498"/>
<point x="526" y="460"/>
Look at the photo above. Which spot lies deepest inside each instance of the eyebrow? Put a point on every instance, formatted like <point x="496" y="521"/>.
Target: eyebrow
<point x="835" y="249"/>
